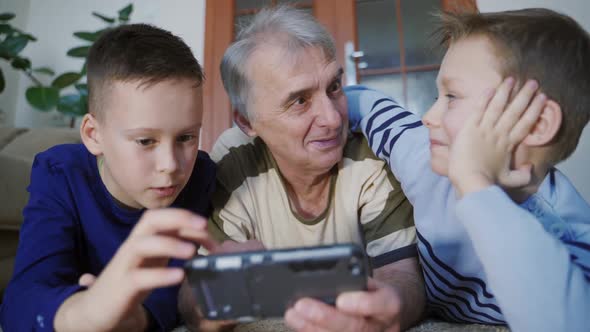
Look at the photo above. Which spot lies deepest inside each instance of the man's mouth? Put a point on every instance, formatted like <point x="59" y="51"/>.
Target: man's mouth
<point x="327" y="143"/>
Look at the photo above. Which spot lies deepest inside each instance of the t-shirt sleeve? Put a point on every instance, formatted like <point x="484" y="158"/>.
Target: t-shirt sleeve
<point x="230" y="219"/>
<point x="387" y="221"/>
<point x="47" y="266"/>
<point x="232" y="137"/>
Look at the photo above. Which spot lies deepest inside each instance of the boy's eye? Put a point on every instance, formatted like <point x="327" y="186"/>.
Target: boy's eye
<point x="450" y="96"/>
<point x="185" y="138"/>
<point x="145" y="141"/>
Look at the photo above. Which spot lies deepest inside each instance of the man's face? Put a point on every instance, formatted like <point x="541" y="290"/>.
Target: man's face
<point x="468" y="70"/>
<point x="297" y="106"/>
<point x="149" y="138"/>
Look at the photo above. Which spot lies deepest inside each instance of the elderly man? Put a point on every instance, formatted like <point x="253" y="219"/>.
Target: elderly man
<point x="293" y="175"/>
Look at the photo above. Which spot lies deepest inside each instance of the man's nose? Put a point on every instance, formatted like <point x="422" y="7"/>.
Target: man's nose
<point x="328" y="113"/>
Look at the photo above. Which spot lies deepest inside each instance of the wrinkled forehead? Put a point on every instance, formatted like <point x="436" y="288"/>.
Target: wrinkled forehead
<point x="275" y="74"/>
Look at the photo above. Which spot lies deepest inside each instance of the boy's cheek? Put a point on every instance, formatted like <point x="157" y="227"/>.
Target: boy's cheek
<point x="452" y="128"/>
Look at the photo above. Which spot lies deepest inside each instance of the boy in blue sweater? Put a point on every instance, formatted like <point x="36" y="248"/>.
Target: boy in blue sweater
<point x="504" y="237"/>
<point x="96" y="208"/>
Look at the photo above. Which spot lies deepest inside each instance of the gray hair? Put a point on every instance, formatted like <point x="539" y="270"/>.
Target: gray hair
<point x="292" y="28"/>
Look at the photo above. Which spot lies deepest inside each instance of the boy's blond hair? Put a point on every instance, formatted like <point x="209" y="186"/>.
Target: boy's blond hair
<point x="539" y="44"/>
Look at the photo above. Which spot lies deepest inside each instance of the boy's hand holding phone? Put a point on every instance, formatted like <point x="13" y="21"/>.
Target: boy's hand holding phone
<point x="114" y="300"/>
<point x="482" y="152"/>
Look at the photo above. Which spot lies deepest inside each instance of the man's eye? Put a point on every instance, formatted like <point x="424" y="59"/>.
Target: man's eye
<point x="185" y="138"/>
<point x="145" y="141"/>
<point x="300" y="101"/>
<point x="450" y="96"/>
<point x="336" y="86"/>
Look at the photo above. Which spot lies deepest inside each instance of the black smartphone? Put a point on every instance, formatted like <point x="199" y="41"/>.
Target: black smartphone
<point x="254" y="285"/>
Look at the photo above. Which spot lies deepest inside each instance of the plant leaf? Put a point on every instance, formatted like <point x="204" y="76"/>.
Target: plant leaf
<point x="5" y="28"/>
<point x="42" y="98"/>
<point x="2" y="82"/>
<point x="21" y="63"/>
<point x="44" y="70"/>
<point x="82" y="89"/>
<point x="6" y="16"/>
<point x="88" y="36"/>
<point x="72" y="104"/>
<point x="104" y="18"/>
<point x="79" y="52"/>
<point x="65" y="80"/>
<point x="100" y="32"/>
<point x="125" y="12"/>
<point x="14" y="44"/>
<point x="5" y="55"/>
<point x="29" y="36"/>
<point x="83" y="70"/>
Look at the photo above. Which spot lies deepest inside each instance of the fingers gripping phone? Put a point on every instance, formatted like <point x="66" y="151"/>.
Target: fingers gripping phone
<point x="262" y="284"/>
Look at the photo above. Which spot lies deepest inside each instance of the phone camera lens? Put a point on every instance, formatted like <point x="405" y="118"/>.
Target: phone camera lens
<point x="354" y="266"/>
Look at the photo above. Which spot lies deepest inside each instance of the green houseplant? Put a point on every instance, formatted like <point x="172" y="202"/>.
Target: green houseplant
<point x="12" y="42"/>
<point x="57" y="94"/>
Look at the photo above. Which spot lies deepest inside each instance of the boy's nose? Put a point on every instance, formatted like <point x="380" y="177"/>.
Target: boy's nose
<point x="167" y="161"/>
<point x="432" y="118"/>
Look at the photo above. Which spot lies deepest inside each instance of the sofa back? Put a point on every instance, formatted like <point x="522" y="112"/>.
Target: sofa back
<point x="18" y="147"/>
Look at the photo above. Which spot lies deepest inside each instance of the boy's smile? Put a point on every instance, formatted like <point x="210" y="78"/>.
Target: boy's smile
<point x="467" y="71"/>
<point x="149" y="139"/>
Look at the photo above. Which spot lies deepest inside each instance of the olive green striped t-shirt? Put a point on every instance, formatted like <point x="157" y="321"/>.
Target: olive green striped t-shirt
<point x="366" y="204"/>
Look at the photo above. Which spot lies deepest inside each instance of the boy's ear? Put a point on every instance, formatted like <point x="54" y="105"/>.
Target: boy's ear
<point x="90" y="134"/>
<point x="244" y="124"/>
<point x="547" y="125"/>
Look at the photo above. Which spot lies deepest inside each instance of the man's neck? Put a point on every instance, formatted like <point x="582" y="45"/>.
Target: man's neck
<point x="308" y="191"/>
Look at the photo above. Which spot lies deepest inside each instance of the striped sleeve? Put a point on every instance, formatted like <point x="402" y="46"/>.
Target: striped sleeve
<point x="395" y="135"/>
<point x="580" y="252"/>
<point x="540" y="282"/>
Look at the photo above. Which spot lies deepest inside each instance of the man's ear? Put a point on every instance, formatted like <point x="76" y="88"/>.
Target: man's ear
<point x="244" y="124"/>
<point x="547" y="125"/>
<point x="90" y="134"/>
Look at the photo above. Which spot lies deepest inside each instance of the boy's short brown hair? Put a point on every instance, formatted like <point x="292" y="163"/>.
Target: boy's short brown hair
<point x="136" y="53"/>
<point x="540" y="44"/>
